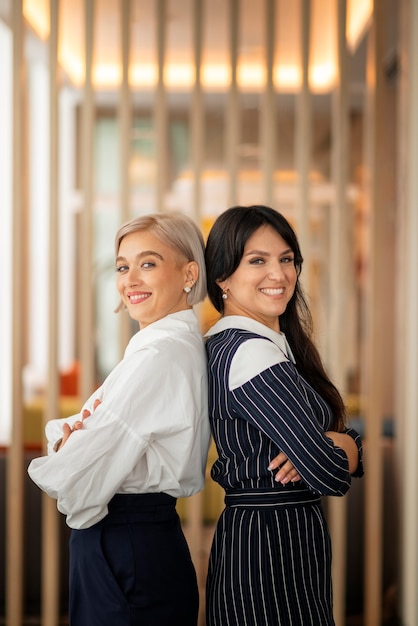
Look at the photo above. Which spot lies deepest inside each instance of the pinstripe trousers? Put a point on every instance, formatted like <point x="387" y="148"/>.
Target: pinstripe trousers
<point x="270" y="562"/>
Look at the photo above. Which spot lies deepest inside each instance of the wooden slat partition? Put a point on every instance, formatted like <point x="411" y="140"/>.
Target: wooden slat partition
<point x="268" y="109"/>
<point x="303" y="146"/>
<point x="194" y="505"/>
<point x="15" y="458"/>
<point x="233" y="108"/>
<point x="160" y="120"/>
<point x="377" y="358"/>
<point x="125" y="122"/>
<point x="50" y="520"/>
<point x="339" y="274"/>
<point x="407" y="297"/>
<point x="86" y="237"/>
<point x="197" y="118"/>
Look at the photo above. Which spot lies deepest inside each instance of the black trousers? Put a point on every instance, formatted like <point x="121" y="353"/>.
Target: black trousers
<point x="133" y="568"/>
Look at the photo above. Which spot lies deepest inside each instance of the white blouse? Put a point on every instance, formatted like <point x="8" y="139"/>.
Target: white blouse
<point x="149" y="434"/>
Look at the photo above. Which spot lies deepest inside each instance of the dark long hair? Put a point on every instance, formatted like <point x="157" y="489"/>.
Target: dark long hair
<point x="224" y="251"/>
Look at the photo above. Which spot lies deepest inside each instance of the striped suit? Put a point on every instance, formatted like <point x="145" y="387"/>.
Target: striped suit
<point x="270" y="561"/>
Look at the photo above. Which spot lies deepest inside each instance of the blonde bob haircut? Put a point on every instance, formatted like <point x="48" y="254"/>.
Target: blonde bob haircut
<point x="180" y="233"/>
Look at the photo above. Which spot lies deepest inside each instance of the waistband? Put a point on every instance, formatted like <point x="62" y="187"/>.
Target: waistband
<point x="259" y="498"/>
<point x="140" y="500"/>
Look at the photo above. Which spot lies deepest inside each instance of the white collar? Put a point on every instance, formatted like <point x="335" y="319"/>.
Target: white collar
<point x="247" y="323"/>
<point x="170" y="324"/>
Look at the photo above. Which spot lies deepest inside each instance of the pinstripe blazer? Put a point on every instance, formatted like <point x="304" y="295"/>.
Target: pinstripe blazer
<point x="260" y="405"/>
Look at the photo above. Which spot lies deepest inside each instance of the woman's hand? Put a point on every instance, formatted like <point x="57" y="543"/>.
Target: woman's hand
<point x="287" y="473"/>
<point x="67" y="431"/>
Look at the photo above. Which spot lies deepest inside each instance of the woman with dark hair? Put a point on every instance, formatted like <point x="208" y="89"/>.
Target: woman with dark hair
<point x="271" y="406"/>
<point x="116" y="475"/>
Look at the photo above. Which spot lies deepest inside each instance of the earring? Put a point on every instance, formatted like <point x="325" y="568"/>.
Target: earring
<point x="224" y="295"/>
<point x="187" y="289"/>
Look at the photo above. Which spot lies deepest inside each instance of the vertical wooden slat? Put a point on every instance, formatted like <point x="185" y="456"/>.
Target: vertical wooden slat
<point x="125" y="141"/>
<point x="160" y="119"/>
<point x="194" y="504"/>
<point x="86" y="297"/>
<point x="125" y="110"/>
<point x="338" y="252"/>
<point x="197" y="133"/>
<point x="268" y="110"/>
<point x="376" y="360"/>
<point x="407" y="296"/>
<point x="50" y="526"/>
<point x="232" y="115"/>
<point x="15" y="457"/>
<point x="303" y="143"/>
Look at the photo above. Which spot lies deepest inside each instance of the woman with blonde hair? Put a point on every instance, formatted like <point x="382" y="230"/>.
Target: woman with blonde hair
<point x="117" y="475"/>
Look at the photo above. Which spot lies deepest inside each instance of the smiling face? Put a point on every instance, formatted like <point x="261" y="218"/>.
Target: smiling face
<point x="264" y="281"/>
<point x="151" y="277"/>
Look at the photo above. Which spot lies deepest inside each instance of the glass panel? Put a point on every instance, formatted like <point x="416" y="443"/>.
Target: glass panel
<point x="285" y="173"/>
<point x="214" y="179"/>
<point x="106" y="222"/>
<point x="38" y="199"/>
<point x="142" y="161"/>
<point x="179" y="175"/>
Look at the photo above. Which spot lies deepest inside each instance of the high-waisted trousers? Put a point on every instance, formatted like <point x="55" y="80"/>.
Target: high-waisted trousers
<point x="133" y="568"/>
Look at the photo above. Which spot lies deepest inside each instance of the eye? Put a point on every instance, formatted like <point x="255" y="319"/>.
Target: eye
<point x="148" y="265"/>
<point x="257" y="261"/>
<point x="287" y="259"/>
<point x="121" y="268"/>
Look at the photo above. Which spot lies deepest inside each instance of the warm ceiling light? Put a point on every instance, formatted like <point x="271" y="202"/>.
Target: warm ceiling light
<point x="144" y="75"/>
<point x="216" y="77"/>
<point x="37" y="14"/>
<point x="288" y="77"/>
<point x="359" y="14"/>
<point x="251" y="74"/>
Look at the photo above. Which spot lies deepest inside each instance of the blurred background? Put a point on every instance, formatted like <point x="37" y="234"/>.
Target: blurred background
<point x="115" y="108"/>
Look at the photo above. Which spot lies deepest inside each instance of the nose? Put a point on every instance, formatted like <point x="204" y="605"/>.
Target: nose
<point x="132" y="277"/>
<point x="276" y="271"/>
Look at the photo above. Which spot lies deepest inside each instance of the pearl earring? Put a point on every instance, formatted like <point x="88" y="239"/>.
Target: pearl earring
<point x="224" y="295"/>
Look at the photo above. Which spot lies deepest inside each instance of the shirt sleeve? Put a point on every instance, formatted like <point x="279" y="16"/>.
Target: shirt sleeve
<point x="357" y="439"/>
<point x="53" y="428"/>
<point x="141" y="405"/>
<point x="274" y="402"/>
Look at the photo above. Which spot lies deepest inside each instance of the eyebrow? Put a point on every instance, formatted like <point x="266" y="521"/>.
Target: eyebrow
<point x="263" y="253"/>
<point x="141" y="255"/>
